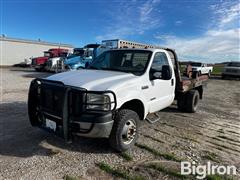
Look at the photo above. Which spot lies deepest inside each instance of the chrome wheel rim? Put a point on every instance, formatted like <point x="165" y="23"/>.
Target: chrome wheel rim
<point x="129" y="131"/>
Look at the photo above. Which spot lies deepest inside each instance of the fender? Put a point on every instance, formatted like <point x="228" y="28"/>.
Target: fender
<point x="124" y="97"/>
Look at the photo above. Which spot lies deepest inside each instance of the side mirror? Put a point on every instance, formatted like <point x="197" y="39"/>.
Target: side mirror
<point x="166" y="72"/>
<point x="155" y="74"/>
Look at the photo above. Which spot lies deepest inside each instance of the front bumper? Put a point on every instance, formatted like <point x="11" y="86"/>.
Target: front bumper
<point x="99" y="130"/>
<point x="63" y="106"/>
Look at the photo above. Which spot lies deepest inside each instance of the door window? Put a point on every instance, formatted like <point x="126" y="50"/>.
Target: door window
<point x="159" y="60"/>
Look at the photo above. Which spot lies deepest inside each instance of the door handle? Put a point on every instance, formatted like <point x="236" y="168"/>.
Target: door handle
<point x="172" y="82"/>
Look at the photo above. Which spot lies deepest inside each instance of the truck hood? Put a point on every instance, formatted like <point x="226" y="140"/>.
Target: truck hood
<point x="95" y="80"/>
<point x="73" y="60"/>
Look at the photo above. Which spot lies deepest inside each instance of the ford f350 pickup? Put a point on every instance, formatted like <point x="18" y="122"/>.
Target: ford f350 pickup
<point x="119" y="90"/>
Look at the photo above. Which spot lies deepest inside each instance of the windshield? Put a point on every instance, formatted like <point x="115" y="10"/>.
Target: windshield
<point x="234" y="64"/>
<point x="130" y="61"/>
<point x="79" y="52"/>
<point x="47" y="54"/>
<point x="196" y="64"/>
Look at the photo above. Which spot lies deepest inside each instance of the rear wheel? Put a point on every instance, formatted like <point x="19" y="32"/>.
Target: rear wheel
<point x="125" y="130"/>
<point x="192" y="99"/>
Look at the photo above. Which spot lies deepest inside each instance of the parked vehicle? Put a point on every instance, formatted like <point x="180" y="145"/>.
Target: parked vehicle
<point x="232" y="69"/>
<point x="39" y="63"/>
<point x="52" y="62"/>
<point x="26" y="63"/>
<point x="81" y="57"/>
<point x="119" y="90"/>
<point x="201" y="68"/>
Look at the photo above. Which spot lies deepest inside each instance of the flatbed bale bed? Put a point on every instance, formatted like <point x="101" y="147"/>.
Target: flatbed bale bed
<point x="188" y="90"/>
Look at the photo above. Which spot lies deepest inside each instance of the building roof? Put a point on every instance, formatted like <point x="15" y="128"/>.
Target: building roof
<point x="4" y="38"/>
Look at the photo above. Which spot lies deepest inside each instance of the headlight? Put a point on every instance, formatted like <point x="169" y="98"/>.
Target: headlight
<point x="98" y="102"/>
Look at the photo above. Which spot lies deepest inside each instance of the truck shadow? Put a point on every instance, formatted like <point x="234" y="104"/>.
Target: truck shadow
<point x="20" y="139"/>
<point x="21" y="69"/>
<point x="37" y="75"/>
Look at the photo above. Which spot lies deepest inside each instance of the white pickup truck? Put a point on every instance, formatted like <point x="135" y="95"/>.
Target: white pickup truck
<point x="202" y="68"/>
<point x="119" y="90"/>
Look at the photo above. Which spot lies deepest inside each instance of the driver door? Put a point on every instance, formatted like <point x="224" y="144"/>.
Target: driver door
<point x="161" y="92"/>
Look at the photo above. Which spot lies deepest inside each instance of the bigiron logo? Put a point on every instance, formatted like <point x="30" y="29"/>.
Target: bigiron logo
<point x="201" y="171"/>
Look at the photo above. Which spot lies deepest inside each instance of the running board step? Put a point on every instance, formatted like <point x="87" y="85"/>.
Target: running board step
<point x="152" y="118"/>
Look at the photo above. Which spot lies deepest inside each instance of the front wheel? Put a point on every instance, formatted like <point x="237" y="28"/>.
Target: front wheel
<point x="125" y="130"/>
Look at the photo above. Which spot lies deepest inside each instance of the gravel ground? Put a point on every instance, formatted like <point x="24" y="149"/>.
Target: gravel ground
<point x="211" y="134"/>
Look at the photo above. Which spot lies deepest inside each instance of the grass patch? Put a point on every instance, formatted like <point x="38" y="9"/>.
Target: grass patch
<point x="211" y="156"/>
<point x="126" y="156"/>
<point x="189" y="138"/>
<point x="157" y="153"/>
<point x="155" y="129"/>
<point x="217" y="70"/>
<point x="223" y="146"/>
<point x="166" y="124"/>
<point x="153" y="138"/>
<point x="218" y="177"/>
<point x="117" y="172"/>
<point x="220" y="131"/>
<point x="68" y="177"/>
<point x="165" y="170"/>
<point x="233" y="132"/>
<point x="227" y="138"/>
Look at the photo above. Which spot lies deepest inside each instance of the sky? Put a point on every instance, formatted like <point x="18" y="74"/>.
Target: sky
<point x="199" y="30"/>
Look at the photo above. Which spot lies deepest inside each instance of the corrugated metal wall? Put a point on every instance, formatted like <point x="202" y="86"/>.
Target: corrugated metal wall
<point x="14" y="51"/>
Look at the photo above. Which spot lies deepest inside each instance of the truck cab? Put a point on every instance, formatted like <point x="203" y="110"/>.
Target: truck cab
<point x="40" y="63"/>
<point x="82" y="57"/>
<point x="112" y="96"/>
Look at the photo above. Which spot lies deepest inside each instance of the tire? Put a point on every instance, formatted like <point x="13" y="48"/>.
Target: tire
<point x="38" y="69"/>
<point x="209" y="73"/>
<point x="32" y="105"/>
<point x="192" y="99"/>
<point x="128" y="120"/>
<point x="181" y="102"/>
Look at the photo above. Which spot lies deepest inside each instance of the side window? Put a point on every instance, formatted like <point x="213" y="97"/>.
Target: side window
<point x="159" y="60"/>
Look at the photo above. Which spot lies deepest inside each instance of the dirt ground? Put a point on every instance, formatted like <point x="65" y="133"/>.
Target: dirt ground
<point x="211" y="134"/>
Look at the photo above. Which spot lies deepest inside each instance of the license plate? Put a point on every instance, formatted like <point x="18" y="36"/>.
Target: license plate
<point x="51" y="124"/>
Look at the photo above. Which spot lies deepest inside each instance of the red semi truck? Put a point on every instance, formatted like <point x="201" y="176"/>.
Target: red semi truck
<point x="39" y="63"/>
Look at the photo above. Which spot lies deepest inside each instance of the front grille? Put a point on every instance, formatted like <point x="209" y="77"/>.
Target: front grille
<point x="52" y="98"/>
<point x="49" y="63"/>
<point x="75" y="103"/>
<point x="34" y="61"/>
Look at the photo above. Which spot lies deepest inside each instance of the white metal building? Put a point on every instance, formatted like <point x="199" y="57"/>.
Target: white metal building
<point x="14" y="51"/>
